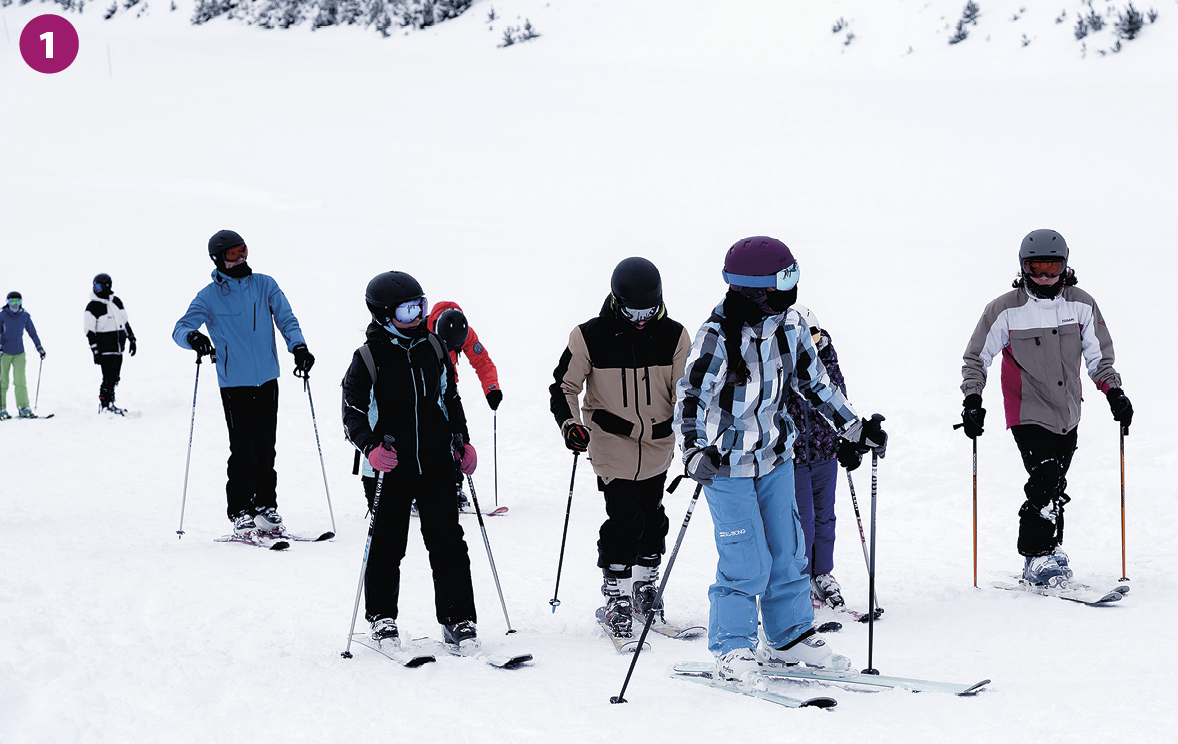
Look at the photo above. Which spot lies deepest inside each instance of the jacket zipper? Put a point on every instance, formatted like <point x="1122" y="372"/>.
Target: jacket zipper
<point x="641" y="424"/>
<point x="625" y="403"/>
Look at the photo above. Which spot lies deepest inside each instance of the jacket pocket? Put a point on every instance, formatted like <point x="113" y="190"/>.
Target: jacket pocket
<point x="612" y="423"/>
<point x="737" y="549"/>
<point x="1027" y="349"/>
<point x="662" y="430"/>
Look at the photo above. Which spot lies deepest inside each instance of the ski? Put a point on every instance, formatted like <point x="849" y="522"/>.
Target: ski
<point x="623" y="645"/>
<point x="670" y="631"/>
<point x="1084" y="596"/>
<point x="873" y="680"/>
<point x="860" y="617"/>
<point x="34" y="416"/>
<point x="284" y="535"/>
<point x="410" y="657"/>
<point x="257" y="541"/>
<point x="499" y="661"/>
<point x="493" y="513"/>
<point x="704" y="677"/>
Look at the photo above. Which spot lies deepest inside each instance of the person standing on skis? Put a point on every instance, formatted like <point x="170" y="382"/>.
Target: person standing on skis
<point x="401" y="383"/>
<point x="14" y="321"/>
<point x="737" y="442"/>
<point x="1045" y="328"/>
<point x="816" y="471"/>
<point x="240" y="310"/>
<point x="627" y="360"/>
<point x="447" y="320"/>
<point x="109" y="332"/>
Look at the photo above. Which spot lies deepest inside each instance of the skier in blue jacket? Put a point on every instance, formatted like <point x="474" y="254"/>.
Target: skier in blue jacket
<point x="240" y="309"/>
<point x="14" y="321"/>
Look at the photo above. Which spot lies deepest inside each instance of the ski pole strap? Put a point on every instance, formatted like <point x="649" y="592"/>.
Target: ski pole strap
<point x="356" y="464"/>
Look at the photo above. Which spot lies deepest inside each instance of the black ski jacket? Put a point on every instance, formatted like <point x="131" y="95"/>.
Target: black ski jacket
<point x="415" y="399"/>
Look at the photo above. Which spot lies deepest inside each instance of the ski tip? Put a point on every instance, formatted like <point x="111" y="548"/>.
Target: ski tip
<point x="280" y="545"/>
<point x="325" y="536"/>
<point x="974" y="690"/>
<point x="820" y="702"/>
<point x="419" y="661"/>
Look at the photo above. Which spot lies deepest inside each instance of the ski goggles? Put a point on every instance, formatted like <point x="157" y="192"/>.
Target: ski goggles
<point x="636" y="315"/>
<point x="783" y="280"/>
<point x="14" y="302"/>
<point x="236" y="252"/>
<point x="98" y="287"/>
<point x="409" y="311"/>
<point x="1040" y="267"/>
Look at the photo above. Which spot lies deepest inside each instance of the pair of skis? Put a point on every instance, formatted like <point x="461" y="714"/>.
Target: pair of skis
<point x="629" y="644"/>
<point x="272" y="540"/>
<point x="1071" y="591"/>
<point x="419" y="653"/>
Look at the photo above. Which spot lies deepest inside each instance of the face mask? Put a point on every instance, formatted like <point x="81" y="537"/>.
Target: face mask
<point x="779" y="301"/>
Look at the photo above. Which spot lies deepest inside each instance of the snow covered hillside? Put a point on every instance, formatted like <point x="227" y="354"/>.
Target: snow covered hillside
<point x="902" y="171"/>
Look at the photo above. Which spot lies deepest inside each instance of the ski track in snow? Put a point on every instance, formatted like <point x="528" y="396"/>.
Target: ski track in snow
<point x="512" y="181"/>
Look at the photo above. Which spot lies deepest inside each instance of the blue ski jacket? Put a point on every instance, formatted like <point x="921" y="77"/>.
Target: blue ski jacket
<point x="12" y="331"/>
<point x="240" y="315"/>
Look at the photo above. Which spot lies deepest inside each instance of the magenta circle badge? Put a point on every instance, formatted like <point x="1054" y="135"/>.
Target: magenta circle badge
<point x="49" y="43"/>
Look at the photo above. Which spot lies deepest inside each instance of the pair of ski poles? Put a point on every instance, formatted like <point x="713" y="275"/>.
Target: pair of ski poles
<point x="306" y="377"/>
<point x="1124" y="574"/>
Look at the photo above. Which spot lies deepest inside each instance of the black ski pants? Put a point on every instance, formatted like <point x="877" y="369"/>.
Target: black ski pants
<point x="251" y="413"/>
<point x="1046" y="457"/>
<point x="111" y="365"/>
<point x="444" y="542"/>
<point x="635" y="529"/>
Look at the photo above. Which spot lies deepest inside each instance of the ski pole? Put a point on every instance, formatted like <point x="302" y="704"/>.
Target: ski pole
<point x="188" y="459"/>
<point x="495" y="452"/>
<point x="1124" y="576"/>
<point x="975" y="513"/>
<point x="567" y="510"/>
<point x="871" y="574"/>
<point x="307" y="386"/>
<point x="37" y="399"/>
<point x="490" y="558"/>
<point x="620" y="697"/>
<point x="862" y="537"/>
<point x="347" y="652"/>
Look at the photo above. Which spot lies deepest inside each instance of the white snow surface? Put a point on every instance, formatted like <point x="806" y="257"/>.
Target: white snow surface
<point x="902" y="171"/>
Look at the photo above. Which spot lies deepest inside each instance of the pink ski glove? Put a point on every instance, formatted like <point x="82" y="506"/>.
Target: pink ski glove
<point x="466" y="457"/>
<point x="383" y="458"/>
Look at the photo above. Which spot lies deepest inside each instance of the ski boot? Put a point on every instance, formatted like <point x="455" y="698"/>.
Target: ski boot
<point x="462" y="638"/>
<point x="806" y="649"/>
<point x="826" y="590"/>
<point x="1045" y="571"/>
<point x="736" y="665"/>
<point x="268" y="520"/>
<point x="26" y="412"/>
<point x="617" y="608"/>
<point x="1061" y="558"/>
<point x="464" y="505"/>
<point x="4" y="415"/>
<point x="243" y="525"/>
<point x="644" y="591"/>
<point x="106" y="402"/>
<point x="384" y="633"/>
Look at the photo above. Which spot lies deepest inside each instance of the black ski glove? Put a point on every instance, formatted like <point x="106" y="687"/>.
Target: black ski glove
<point x="703" y="464"/>
<point x="494" y="398"/>
<point x="131" y="345"/>
<point x="850" y="455"/>
<point x="973" y="416"/>
<point x="576" y="436"/>
<point x="41" y="352"/>
<point x="200" y="343"/>
<point x="304" y="360"/>
<point x="1121" y="407"/>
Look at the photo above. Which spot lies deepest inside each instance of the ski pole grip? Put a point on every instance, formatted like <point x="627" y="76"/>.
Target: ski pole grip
<point x="388" y="441"/>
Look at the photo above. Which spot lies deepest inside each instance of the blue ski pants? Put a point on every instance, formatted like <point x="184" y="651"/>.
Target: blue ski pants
<point x="761" y="554"/>
<point x="814" y="487"/>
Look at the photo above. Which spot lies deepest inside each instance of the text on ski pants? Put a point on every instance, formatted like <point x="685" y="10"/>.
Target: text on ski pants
<point x="761" y="553"/>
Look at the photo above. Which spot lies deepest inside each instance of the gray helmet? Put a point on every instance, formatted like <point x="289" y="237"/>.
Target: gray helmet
<point x="809" y="317"/>
<point x="1043" y="244"/>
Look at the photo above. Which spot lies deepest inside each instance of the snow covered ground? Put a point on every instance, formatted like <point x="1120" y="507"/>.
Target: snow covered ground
<point x="902" y="171"/>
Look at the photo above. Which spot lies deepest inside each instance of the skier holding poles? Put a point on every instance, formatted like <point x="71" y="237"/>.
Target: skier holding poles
<point x="737" y="441"/>
<point x="1045" y="327"/>
<point x="240" y="309"/>
<point x="627" y="360"/>
<point x="108" y="330"/>
<point x="401" y="383"/>
<point x="14" y="321"/>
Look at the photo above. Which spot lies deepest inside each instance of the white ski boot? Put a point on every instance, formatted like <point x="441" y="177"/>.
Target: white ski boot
<point x="808" y="649"/>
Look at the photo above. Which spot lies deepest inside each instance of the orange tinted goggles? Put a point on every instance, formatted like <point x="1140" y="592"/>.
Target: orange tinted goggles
<point x="236" y="252"/>
<point x="1037" y="267"/>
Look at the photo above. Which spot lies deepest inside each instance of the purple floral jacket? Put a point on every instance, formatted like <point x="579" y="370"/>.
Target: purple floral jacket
<point x="816" y="441"/>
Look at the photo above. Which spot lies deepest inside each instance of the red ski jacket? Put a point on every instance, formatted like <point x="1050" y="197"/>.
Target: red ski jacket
<point x="475" y="352"/>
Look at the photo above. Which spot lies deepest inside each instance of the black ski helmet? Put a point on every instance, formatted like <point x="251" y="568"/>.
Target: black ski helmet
<point x="452" y="327"/>
<point x="636" y="284"/>
<point x="1043" y="244"/>
<point x="102" y="283"/>
<point x="14" y="295"/>
<point x="388" y="290"/>
<point x="222" y="241"/>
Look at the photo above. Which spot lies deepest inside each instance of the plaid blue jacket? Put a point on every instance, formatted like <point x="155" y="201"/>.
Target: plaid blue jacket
<point x="749" y="423"/>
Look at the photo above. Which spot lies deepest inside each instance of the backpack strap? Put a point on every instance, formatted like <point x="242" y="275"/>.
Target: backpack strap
<point x="366" y="355"/>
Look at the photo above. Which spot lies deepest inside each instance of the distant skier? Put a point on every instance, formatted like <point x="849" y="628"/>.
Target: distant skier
<point x="738" y="440"/>
<point x="1045" y="328"/>
<point x="240" y="309"/>
<point x="816" y="471"/>
<point x="402" y="383"/>
<point x="627" y="360"/>
<point x="109" y="332"/>
<point x="456" y="332"/>
<point x="14" y="321"/>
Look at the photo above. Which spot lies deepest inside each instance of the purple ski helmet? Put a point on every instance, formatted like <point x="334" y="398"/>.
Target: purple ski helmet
<point x="760" y="262"/>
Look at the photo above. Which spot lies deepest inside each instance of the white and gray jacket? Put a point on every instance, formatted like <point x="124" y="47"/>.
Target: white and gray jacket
<point x="1043" y="343"/>
<point x="106" y="325"/>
